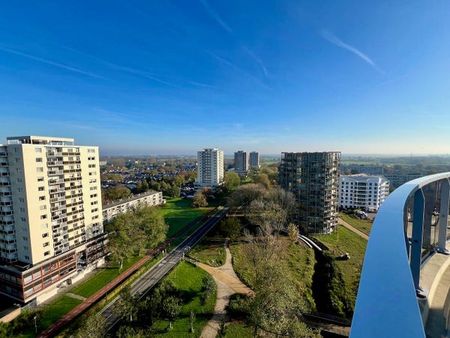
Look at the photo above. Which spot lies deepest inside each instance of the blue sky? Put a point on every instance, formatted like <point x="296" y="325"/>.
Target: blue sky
<point x="170" y="77"/>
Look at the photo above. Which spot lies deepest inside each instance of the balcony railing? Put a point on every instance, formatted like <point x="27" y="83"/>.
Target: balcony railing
<point x="410" y="225"/>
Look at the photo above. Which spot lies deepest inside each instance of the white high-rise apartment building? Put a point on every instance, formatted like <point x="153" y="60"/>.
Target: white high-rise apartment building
<point x="210" y="170"/>
<point x="363" y="191"/>
<point x="254" y="160"/>
<point x="51" y="224"/>
<point x="241" y="162"/>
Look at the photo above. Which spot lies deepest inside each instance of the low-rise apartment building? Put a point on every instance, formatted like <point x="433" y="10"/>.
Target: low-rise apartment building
<point x="361" y="191"/>
<point x="149" y="199"/>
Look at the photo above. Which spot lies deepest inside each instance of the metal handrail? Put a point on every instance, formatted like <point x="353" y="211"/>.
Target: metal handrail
<point x="387" y="305"/>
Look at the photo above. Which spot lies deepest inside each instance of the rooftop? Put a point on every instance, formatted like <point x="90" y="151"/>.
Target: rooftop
<point x="32" y="139"/>
<point x="132" y="198"/>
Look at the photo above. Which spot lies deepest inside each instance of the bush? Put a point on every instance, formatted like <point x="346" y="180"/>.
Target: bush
<point x="238" y="308"/>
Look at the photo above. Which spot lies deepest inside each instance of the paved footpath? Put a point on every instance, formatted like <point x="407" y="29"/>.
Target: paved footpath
<point x="227" y="284"/>
<point x="352" y="228"/>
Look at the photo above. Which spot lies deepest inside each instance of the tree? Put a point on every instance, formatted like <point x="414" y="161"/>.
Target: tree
<point x="171" y="308"/>
<point x="135" y="231"/>
<point x="231" y="181"/>
<point x="179" y="180"/>
<point x="275" y="306"/>
<point x="93" y="327"/>
<point x="131" y="332"/>
<point x="174" y="191"/>
<point x="208" y="287"/>
<point x="230" y="227"/>
<point x="152" y="224"/>
<point x="246" y="194"/>
<point x="199" y="200"/>
<point x="142" y="186"/>
<point x="127" y="305"/>
<point x="116" y="193"/>
<point x="262" y="179"/>
<point x="123" y="237"/>
<point x="293" y="232"/>
<point x="268" y="215"/>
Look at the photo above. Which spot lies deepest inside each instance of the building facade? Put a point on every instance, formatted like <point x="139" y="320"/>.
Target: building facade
<point x="313" y="178"/>
<point x="241" y="162"/>
<point x="362" y="191"/>
<point x="210" y="168"/>
<point x="51" y="224"/>
<point x="254" y="160"/>
<point x="148" y="199"/>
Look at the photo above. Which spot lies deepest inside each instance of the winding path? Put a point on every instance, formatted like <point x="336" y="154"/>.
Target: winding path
<point x="227" y="284"/>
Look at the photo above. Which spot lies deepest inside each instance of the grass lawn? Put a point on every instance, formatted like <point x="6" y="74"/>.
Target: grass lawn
<point x="100" y="278"/>
<point x="343" y="240"/>
<point x="209" y="251"/>
<point x="178" y="212"/>
<point x="188" y="279"/>
<point x="56" y="309"/>
<point x="360" y="224"/>
<point x="238" y="329"/>
<point x="298" y="263"/>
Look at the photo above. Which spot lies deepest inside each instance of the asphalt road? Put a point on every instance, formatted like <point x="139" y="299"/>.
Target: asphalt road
<point x="149" y="279"/>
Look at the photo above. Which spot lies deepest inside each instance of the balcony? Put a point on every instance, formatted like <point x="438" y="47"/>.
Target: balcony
<point x="403" y="290"/>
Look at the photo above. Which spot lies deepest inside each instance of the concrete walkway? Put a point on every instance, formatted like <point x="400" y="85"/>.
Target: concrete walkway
<point x="75" y="296"/>
<point x="227" y="284"/>
<point x="353" y="229"/>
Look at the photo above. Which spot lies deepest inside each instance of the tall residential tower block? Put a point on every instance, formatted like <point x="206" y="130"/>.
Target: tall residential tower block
<point x="51" y="226"/>
<point x="210" y="170"/>
<point x="313" y="178"/>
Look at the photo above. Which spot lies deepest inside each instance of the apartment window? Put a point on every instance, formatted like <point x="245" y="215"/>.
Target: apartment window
<point x="44" y="235"/>
<point x="40" y="179"/>
<point x="41" y="198"/>
<point x="38" y="159"/>
<point x="22" y="209"/>
<point x="46" y="253"/>
<point x="43" y="207"/>
<point x="43" y="216"/>
<point x="41" y="188"/>
<point x="38" y="150"/>
<point x="40" y="169"/>
<point x="23" y="219"/>
<point x="19" y="179"/>
<point x="46" y="244"/>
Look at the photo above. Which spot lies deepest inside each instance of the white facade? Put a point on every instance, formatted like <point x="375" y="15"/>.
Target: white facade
<point x="149" y="199"/>
<point x="51" y="213"/>
<point x="210" y="170"/>
<point x="362" y="191"/>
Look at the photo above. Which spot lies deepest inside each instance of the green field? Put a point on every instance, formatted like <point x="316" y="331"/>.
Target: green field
<point x="209" y="251"/>
<point x="100" y="278"/>
<point x="188" y="280"/>
<point x="339" y="242"/>
<point x="360" y="224"/>
<point x="179" y="212"/>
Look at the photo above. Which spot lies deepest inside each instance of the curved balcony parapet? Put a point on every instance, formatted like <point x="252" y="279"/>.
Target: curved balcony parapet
<point x="387" y="304"/>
